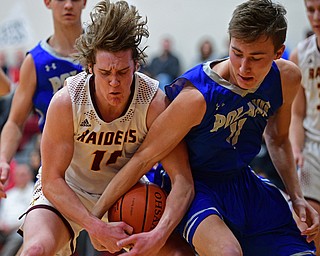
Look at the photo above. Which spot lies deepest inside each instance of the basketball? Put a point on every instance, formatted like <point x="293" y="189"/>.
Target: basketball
<point x="141" y="207"/>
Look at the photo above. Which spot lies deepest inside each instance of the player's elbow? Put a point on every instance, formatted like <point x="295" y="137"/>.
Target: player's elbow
<point x="49" y="188"/>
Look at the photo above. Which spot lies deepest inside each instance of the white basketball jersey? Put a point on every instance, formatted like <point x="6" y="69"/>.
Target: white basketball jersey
<point x="101" y="148"/>
<point x="309" y="63"/>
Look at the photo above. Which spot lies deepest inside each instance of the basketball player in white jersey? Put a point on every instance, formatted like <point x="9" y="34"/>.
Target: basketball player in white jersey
<point x="305" y="125"/>
<point x="94" y="126"/>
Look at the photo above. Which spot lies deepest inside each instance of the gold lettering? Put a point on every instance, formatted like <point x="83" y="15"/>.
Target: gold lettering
<point x="219" y="122"/>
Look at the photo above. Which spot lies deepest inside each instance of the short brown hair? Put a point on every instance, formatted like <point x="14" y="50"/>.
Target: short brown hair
<point x="256" y="18"/>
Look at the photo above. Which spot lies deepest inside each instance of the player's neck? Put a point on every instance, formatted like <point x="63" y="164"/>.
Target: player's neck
<point x="63" y="40"/>
<point x="222" y="69"/>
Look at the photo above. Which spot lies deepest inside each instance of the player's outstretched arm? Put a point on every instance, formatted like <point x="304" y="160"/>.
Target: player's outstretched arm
<point x="20" y="108"/>
<point x="279" y="146"/>
<point x="296" y="132"/>
<point x="177" y="165"/>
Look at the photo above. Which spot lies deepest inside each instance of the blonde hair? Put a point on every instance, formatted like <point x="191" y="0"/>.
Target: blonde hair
<point x="114" y="27"/>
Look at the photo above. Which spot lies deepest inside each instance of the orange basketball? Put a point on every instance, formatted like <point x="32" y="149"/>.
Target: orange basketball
<point x="141" y="207"/>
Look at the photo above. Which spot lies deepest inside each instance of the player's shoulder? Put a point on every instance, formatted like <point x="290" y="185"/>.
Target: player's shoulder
<point x="146" y="88"/>
<point x="78" y="78"/>
<point x="145" y="81"/>
<point x="288" y="70"/>
<point x="290" y="77"/>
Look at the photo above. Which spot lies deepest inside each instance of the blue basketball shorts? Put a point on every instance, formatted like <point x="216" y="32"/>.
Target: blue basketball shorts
<point x="254" y="210"/>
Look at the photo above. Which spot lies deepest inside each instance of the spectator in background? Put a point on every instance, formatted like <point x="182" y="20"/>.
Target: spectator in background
<point x="14" y="70"/>
<point x="206" y="51"/>
<point x="3" y="62"/>
<point x="305" y="124"/>
<point x="5" y="98"/>
<point x="35" y="157"/>
<point x="308" y="33"/>
<point x="17" y="201"/>
<point x="5" y="104"/>
<point x="5" y="84"/>
<point x="166" y="66"/>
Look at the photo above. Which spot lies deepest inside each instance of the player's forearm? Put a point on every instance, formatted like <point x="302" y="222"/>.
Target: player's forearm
<point x="120" y="184"/>
<point x="10" y="139"/>
<point x="297" y="134"/>
<point x="67" y="202"/>
<point x="282" y="158"/>
<point x="178" y="201"/>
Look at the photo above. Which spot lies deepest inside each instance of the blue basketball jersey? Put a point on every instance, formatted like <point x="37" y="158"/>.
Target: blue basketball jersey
<point x="230" y="133"/>
<point x="51" y="71"/>
<point x="221" y="148"/>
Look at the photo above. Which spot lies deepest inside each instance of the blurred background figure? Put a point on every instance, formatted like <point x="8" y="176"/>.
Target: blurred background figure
<point x="206" y="50"/>
<point x="14" y="70"/>
<point x="309" y="32"/>
<point x="5" y="98"/>
<point x="166" y="66"/>
<point x="5" y="83"/>
<point x="17" y="201"/>
<point x="3" y="62"/>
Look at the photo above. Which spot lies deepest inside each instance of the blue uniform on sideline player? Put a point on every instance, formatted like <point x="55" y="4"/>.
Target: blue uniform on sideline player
<point x="222" y="109"/>
<point x="42" y="74"/>
<point x="51" y="71"/>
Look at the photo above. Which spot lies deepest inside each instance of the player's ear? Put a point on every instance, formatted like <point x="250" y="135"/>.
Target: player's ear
<point x="136" y="66"/>
<point x="47" y="3"/>
<point x="90" y="68"/>
<point x="84" y="3"/>
<point x="280" y="51"/>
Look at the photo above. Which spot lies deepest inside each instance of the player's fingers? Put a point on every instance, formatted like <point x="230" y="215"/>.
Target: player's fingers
<point x="4" y="172"/>
<point x="313" y="230"/>
<point x="126" y="243"/>
<point x="3" y="175"/>
<point x="302" y="214"/>
<point x="98" y="246"/>
<point x="310" y="238"/>
<point x="128" y="229"/>
<point x="2" y="193"/>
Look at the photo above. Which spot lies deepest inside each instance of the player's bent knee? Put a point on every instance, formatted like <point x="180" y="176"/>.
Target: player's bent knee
<point x="223" y="249"/>
<point x="176" y="246"/>
<point x="227" y="251"/>
<point x="234" y="251"/>
<point x="34" y="250"/>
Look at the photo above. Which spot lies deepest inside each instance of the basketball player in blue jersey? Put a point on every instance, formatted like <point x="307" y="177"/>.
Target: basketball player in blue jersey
<point x="42" y="74"/>
<point x="222" y="108"/>
<point x="94" y="125"/>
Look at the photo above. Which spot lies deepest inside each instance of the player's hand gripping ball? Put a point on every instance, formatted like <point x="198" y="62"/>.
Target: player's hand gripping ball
<point x="141" y="207"/>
